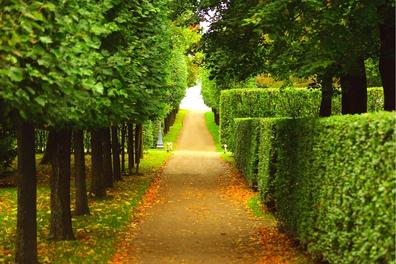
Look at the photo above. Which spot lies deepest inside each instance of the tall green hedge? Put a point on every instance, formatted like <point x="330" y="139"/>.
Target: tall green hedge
<point x="240" y="103"/>
<point x="331" y="182"/>
<point x="246" y="148"/>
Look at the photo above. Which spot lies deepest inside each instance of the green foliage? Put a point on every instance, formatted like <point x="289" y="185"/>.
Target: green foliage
<point x="290" y="38"/>
<point x="193" y="71"/>
<point x="210" y="91"/>
<point x="90" y="64"/>
<point x="176" y="128"/>
<point x="239" y="103"/>
<point x="372" y="72"/>
<point x="331" y="183"/>
<point x="148" y="135"/>
<point x="213" y="130"/>
<point x="44" y="77"/>
<point x="247" y="132"/>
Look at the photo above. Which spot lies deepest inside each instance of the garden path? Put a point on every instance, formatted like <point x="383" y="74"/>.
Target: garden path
<point x="192" y="220"/>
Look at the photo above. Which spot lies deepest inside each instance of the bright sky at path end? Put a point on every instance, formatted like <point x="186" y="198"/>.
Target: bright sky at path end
<point x="193" y="100"/>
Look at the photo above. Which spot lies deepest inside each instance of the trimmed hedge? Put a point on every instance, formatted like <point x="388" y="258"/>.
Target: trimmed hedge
<point x="331" y="182"/>
<point x="246" y="148"/>
<point x="240" y="103"/>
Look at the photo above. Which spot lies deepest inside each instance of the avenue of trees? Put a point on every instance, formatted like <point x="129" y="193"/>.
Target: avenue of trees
<point x="72" y="66"/>
<point x="336" y="43"/>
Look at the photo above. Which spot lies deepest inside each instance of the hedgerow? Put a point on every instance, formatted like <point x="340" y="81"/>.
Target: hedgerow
<point x="330" y="182"/>
<point x="239" y="103"/>
<point x="246" y="148"/>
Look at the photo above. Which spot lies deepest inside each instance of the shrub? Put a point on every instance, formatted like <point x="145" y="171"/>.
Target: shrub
<point x="247" y="132"/>
<point x="240" y="103"/>
<point x="331" y="183"/>
<point x="264" y="103"/>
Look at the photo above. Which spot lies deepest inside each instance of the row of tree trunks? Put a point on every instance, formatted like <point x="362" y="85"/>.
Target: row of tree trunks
<point x="97" y="181"/>
<point x="105" y="169"/>
<point x="131" y="149"/>
<point x="107" y="161"/>
<point x="80" y="176"/>
<point x="170" y="120"/>
<point x="60" y="224"/>
<point x="123" y="137"/>
<point x="49" y="149"/>
<point x="138" y="145"/>
<point x="115" y="147"/>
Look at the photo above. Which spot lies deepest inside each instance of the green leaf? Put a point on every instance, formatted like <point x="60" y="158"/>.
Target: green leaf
<point x="98" y="88"/>
<point x="46" y="40"/>
<point x="15" y="74"/>
<point x="40" y="100"/>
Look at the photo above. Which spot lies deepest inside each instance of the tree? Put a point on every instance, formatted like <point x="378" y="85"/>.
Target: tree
<point x="308" y="38"/>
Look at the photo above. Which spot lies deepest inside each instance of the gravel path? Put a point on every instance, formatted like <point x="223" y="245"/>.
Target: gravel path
<point x="191" y="220"/>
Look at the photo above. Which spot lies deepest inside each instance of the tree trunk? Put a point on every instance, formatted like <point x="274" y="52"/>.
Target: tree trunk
<point x="354" y="88"/>
<point x="387" y="55"/>
<point x="141" y="146"/>
<point x="49" y="149"/>
<point x="138" y="145"/>
<point x="97" y="181"/>
<point x="82" y="207"/>
<point x="26" y="233"/>
<point x="123" y="135"/>
<point x="60" y="224"/>
<point x="166" y="125"/>
<point x="130" y="144"/>
<point x="107" y="166"/>
<point x="327" y="95"/>
<point x="116" y="153"/>
<point x="216" y="116"/>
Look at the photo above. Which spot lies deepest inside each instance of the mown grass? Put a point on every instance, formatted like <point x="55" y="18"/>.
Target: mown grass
<point x="258" y="209"/>
<point x="96" y="234"/>
<point x="174" y="131"/>
<point x="214" y="131"/>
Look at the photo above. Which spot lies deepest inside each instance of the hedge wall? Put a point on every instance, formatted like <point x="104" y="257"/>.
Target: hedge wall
<point x="331" y="182"/>
<point x="246" y="148"/>
<point x="239" y="103"/>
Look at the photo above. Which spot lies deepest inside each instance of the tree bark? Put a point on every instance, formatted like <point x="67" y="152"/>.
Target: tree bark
<point x="123" y="135"/>
<point x="26" y="233"/>
<point x="138" y="145"/>
<point x="130" y="145"/>
<point x="327" y="95"/>
<point x="60" y="224"/>
<point x="116" y="153"/>
<point x="354" y="88"/>
<point x="49" y="149"/>
<point x="97" y="181"/>
<point x="387" y="55"/>
<point x="107" y="165"/>
<point x="216" y="116"/>
<point x="166" y="125"/>
<point x="82" y="207"/>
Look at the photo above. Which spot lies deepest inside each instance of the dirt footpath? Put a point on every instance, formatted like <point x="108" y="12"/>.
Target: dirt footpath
<point x="191" y="220"/>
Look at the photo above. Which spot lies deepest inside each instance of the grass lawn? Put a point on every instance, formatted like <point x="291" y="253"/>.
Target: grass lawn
<point x="174" y="131"/>
<point x="97" y="234"/>
<point x="214" y="131"/>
